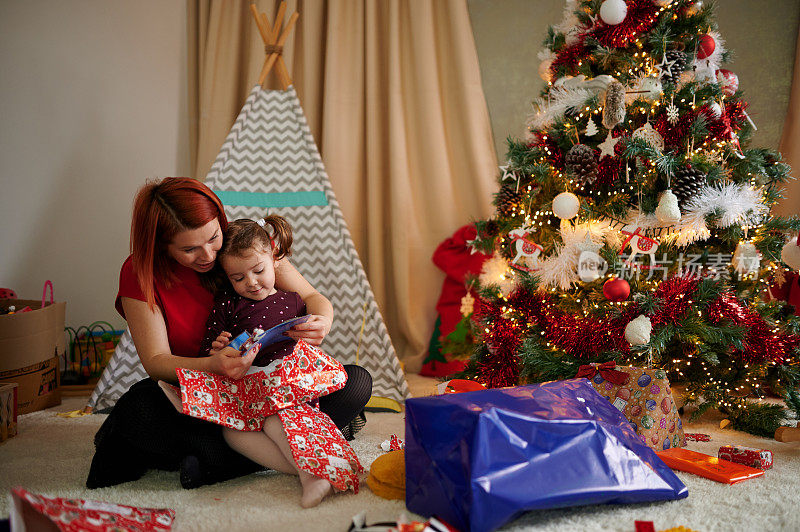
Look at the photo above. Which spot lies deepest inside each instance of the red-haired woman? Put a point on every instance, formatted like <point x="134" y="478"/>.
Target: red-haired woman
<point x="166" y="292"/>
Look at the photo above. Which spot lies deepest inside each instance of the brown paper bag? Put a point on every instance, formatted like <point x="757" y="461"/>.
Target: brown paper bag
<point x="31" y="344"/>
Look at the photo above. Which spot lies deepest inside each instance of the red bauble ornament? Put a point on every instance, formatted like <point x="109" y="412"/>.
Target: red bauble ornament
<point x="728" y="81"/>
<point x="616" y="289"/>
<point x="706" y="46"/>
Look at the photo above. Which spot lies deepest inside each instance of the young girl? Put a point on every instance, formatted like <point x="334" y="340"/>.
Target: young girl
<point x="319" y="455"/>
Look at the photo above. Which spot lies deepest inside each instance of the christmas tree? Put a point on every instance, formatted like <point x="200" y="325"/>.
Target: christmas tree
<point x="633" y="220"/>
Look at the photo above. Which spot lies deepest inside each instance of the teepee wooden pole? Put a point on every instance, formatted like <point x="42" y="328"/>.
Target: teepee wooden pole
<point x="283" y="72"/>
<point x="278" y="19"/>
<point x="274" y="39"/>
<point x="262" y="28"/>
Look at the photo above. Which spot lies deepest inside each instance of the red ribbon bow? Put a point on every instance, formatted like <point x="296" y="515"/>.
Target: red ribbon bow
<point x="606" y="370"/>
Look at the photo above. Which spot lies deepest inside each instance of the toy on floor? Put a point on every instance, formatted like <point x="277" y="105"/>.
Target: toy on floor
<point x="458" y="386"/>
<point x="393" y="444"/>
<point x="707" y="466"/>
<point x="757" y="458"/>
<point x="787" y="434"/>
<point x="387" y="475"/>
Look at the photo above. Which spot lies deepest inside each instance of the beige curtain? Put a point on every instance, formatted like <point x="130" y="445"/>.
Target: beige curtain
<point x="790" y="144"/>
<point x="393" y="96"/>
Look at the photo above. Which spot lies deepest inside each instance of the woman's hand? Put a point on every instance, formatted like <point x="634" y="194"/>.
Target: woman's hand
<point x="312" y="331"/>
<point x="230" y="363"/>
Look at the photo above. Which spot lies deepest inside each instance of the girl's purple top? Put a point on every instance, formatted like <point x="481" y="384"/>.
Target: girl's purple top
<point x="236" y="314"/>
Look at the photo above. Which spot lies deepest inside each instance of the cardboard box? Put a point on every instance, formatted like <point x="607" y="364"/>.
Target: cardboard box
<point x="8" y="411"/>
<point x="31" y="344"/>
<point x="37" y="385"/>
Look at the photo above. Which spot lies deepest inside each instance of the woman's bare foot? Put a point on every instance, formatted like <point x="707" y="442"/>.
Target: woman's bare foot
<point x="314" y="489"/>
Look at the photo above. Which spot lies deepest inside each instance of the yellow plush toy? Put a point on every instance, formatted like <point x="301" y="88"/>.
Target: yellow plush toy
<point x="387" y="475"/>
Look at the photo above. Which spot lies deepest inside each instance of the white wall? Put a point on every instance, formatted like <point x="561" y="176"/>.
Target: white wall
<point x="92" y="102"/>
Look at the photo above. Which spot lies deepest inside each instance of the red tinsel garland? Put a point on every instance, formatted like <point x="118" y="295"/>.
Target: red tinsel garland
<point x="641" y="17"/>
<point x="719" y="127"/>
<point x="760" y="343"/>
<point x="590" y="337"/>
<point x="674" y="298"/>
<point x="500" y="366"/>
<point x="569" y="56"/>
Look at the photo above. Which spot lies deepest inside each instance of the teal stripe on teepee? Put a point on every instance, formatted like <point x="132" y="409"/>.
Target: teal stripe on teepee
<point x="271" y="200"/>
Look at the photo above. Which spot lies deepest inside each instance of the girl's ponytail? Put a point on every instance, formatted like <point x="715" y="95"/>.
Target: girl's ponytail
<point x="280" y="236"/>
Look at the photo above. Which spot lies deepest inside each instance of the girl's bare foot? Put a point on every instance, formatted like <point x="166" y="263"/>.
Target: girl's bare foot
<point x="314" y="489"/>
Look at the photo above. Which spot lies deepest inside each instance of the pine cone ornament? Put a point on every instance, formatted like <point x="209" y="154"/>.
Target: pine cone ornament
<point x="507" y="199"/>
<point x="680" y="64"/>
<point x="580" y="160"/>
<point x="688" y="182"/>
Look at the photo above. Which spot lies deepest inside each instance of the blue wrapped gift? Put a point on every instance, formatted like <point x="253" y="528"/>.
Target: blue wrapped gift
<point x="480" y="459"/>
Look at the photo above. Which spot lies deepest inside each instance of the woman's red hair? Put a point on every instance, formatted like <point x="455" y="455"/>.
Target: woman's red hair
<point x="161" y="210"/>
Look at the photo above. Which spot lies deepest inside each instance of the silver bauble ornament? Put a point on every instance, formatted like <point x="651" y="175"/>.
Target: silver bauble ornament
<point x="591" y="266"/>
<point x="715" y="109"/>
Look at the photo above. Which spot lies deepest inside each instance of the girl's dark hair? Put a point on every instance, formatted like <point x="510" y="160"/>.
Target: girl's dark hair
<point x="244" y="234"/>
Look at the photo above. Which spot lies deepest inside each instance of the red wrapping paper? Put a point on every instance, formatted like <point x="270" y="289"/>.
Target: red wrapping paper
<point x="79" y="515"/>
<point x="318" y="447"/>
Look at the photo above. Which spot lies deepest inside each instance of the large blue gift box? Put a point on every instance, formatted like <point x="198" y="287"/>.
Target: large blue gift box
<point x="480" y="459"/>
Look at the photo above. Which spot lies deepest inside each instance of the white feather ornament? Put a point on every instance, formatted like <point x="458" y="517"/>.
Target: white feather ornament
<point x="560" y="101"/>
<point x="561" y="268"/>
<point x="570" y="26"/>
<point x="638" y="330"/>
<point x="735" y="205"/>
<point x="668" y="211"/>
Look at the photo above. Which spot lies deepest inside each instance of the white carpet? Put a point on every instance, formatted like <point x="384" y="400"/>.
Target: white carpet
<point x="51" y="455"/>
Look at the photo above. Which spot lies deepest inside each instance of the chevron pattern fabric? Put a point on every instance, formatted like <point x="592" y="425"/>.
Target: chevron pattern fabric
<point x="270" y="150"/>
<point x="123" y="371"/>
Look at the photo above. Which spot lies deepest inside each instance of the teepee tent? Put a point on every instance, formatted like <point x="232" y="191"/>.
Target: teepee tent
<point x="269" y="163"/>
